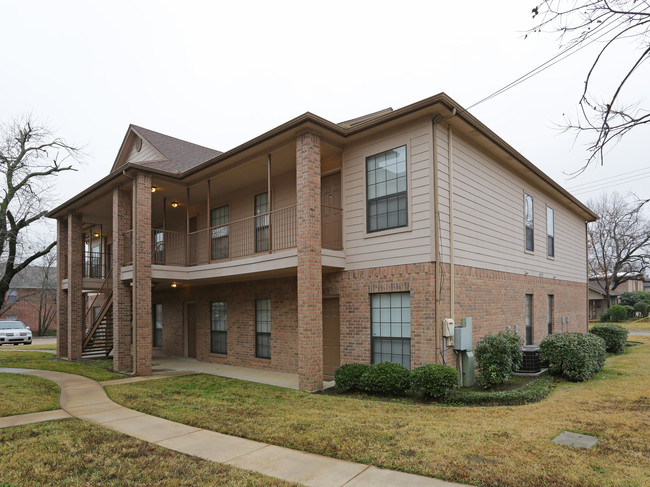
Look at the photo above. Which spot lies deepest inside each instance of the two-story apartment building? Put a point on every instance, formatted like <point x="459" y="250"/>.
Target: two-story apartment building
<point x="316" y="244"/>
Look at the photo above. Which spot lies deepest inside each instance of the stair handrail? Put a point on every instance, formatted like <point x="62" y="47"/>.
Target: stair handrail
<point x="103" y="288"/>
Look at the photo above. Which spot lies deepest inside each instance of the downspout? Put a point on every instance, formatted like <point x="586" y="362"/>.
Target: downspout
<point x="436" y="243"/>
<point x="134" y="206"/>
<point x="452" y="283"/>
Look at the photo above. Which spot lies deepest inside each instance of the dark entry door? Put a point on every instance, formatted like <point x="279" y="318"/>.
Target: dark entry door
<point x="191" y="330"/>
<point x="331" y="337"/>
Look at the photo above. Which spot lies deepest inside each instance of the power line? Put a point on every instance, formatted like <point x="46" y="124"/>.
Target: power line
<point x="603" y="186"/>
<point x="636" y="172"/>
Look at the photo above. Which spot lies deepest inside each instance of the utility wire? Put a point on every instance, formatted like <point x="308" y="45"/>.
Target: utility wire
<point x="579" y="186"/>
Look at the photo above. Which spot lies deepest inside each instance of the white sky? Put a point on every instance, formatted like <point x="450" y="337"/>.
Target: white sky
<point x="221" y="73"/>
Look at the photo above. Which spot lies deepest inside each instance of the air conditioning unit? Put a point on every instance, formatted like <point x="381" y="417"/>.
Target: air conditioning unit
<point x="531" y="363"/>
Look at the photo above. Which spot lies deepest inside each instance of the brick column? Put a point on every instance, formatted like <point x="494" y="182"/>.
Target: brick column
<point x="75" y="297"/>
<point x="122" y="360"/>
<point x="61" y="294"/>
<point x="142" y="316"/>
<point x="310" y="281"/>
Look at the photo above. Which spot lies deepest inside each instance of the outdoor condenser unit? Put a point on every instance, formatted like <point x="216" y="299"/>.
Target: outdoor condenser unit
<point x="531" y="363"/>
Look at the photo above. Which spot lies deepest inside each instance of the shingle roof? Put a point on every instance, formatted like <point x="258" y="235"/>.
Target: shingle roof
<point x="598" y="285"/>
<point x="180" y="155"/>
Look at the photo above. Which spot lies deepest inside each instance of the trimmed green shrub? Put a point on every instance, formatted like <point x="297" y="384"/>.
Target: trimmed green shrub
<point x="434" y="381"/>
<point x="617" y="313"/>
<point x="348" y="376"/>
<point x="385" y="378"/>
<point x="531" y="392"/>
<point x="604" y="318"/>
<point x="497" y="357"/>
<point x="615" y="336"/>
<point x="641" y="307"/>
<point x="630" y="311"/>
<point x="575" y="356"/>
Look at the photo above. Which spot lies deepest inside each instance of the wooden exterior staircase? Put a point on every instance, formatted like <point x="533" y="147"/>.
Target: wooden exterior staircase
<point x="98" y="341"/>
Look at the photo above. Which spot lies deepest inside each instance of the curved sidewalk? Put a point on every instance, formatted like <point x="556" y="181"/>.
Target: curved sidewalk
<point x="86" y="399"/>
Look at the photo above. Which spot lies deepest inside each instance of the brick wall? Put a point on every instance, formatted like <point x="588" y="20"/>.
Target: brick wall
<point x="142" y="316"/>
<point x="76" y="311"/>
<point x="25" y="308"/>
<point x="121" y="289"/>
<point x="240" y="298"/>
<point x="308" y="220"/>
<point x="61" y="294"/>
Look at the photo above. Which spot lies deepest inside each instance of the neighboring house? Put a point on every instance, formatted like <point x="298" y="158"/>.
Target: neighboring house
<point x="317" y="244"/>
<point x="598" y="299"/>
<point x="31" y="290"/>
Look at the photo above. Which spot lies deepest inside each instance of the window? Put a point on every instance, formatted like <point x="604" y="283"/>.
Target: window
<point x="550" y="232"/>
<point x="158" y="256"/>
<point x="262" y="222"/>
<point x="12" y="296"/>
<point x="390" y="316"/>
<point x="219" y="219"/>
<point x="529" y="319"/>
<point x="218" y="327"/>
<point x="157" y="325"/>
<point x="550" y="314"/>
<point x="263" y="328"/>
<point x="386" y="203"/>
<point x="530" y="234"/>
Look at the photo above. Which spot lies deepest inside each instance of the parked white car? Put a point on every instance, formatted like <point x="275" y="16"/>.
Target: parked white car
<point x="15" y="332"/>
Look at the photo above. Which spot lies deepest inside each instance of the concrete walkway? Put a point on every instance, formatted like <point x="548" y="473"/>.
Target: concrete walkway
<point x="639" y="333"/>
<point x="85" y="399"/>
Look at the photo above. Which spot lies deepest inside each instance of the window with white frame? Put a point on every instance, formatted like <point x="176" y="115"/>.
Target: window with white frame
<point x="390" y="317"/>
<point x="529" y="220"/>
<point x="550" y="232"/>
<point x="386" y="190"/>
<point x="219" y="219"/>
<point x="12" y="296"/>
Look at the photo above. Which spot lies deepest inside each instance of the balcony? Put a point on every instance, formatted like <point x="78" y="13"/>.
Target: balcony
<point x="257" y="235"/>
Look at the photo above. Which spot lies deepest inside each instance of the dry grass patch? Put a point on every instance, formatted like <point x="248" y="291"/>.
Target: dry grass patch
<point x="22" y="394"/>
<point x="71" y="452"/>
<point x="97" y="370"/>
<point x="507" y="446"/>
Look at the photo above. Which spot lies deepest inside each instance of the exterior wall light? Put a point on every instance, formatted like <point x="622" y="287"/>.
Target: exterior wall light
<point x="96" y="234"/>
<point x="175" y="204"/>
<point x="174" y="285"/>
<point x="154" y="188"/>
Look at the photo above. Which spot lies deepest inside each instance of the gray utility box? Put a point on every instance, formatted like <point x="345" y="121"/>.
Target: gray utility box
<point x="463" y="338"/>
<point x="467" y="359"/>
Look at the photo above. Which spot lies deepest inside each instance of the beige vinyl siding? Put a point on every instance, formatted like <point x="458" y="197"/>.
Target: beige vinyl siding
<point x="398" y="246"/>
<point x="147" y="153"/>
<point x="489" y="227"/>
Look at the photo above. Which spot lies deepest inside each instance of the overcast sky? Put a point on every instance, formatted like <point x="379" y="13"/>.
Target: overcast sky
<point x="221" y="73"/>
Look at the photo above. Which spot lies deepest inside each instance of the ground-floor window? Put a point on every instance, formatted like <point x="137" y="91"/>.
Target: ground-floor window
<point x="390" y="315"/>
<point x="263" y="328"/>
<point x="218" y="327"/>
<point x="157" y="325"/>
<point x="529" y="319"/>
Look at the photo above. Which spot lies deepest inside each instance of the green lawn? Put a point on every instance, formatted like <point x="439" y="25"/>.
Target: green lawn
<point x="507" y="445"/>
<point x="72" y="452"/>
<point x="97" y="370"/>
<point x="12" y="348"/>
<point x="637" y="325"/>
<point x="23" y="394"/>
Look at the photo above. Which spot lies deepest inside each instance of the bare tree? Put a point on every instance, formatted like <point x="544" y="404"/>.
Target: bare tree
<point x="619" y="241"/>
<point x="46" y="304"/>
<point x="30" y="156"/>
<point x="611" y="23"/>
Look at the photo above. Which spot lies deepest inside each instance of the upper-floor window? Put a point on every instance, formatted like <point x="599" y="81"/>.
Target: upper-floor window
<point x="262" y="209"/>
<point x="550" y="232"/>
<point x="528" y="211"/>
<point x="12" y="296"/>
<point x="386" y="193"/>
<point x="219" y="219"/>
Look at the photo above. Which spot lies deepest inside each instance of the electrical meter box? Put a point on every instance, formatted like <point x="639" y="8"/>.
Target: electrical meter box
<point x="448" y="328"/>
